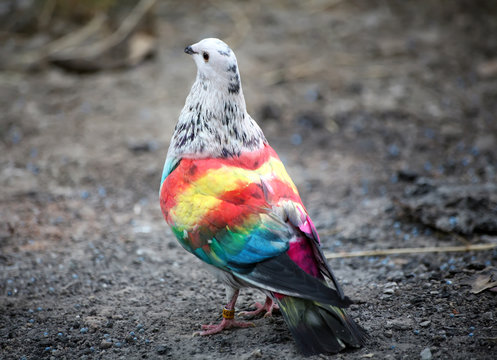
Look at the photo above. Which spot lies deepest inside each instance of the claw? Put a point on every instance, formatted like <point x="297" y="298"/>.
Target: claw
<point x="224" y="324"/>
<point x="268" y="307"/>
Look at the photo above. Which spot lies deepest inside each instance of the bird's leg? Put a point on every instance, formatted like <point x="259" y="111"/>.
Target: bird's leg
<point x="268" y="307"/>
<point x="228" y="318"/>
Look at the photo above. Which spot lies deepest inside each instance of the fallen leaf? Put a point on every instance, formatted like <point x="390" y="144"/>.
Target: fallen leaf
<point x="483" y="280"/>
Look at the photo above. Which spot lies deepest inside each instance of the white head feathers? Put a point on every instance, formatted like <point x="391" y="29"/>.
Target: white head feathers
<point x="216" y="62"/>
<point x="214" y="121"/>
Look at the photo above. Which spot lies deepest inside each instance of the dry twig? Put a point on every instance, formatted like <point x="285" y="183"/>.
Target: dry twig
<point x="71" y="46"/>
<point x="127" y="26"/>
<point x="411" y="251"/>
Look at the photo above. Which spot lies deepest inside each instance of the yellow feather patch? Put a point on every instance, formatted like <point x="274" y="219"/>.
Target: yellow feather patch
<point x="203" y="195"/>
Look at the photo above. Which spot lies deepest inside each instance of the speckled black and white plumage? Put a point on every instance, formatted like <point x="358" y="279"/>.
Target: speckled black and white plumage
<point x="230" y="201"/>
<point x="214" y="121"/>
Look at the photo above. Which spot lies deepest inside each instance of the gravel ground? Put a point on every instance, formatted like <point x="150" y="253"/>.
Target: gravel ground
<point x="384" y="114"/>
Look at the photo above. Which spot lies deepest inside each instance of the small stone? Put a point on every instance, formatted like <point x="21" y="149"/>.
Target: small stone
<point x="396" y="276"/>
<point x="105" y="344"/>
<point x="129" y="338"/>
<point x="391" y="284"/>
<point x="400" y="324"/>
<point x="143" y="146"/>
<point x="487" y="69"/>
<point x="425" y="354"/>
<point x="269" y="112"/>
<point x="256" y="354"/>
<point x="485" y="143"/>
<point x="407" y="175"/>
<point x="425" y="323"/>
<point x="389" y="291"/>
<point x="487" y="316"/>
<point x="162" y="349"/>
<point x="296" y="139"/>
<point x="388" y="333"/>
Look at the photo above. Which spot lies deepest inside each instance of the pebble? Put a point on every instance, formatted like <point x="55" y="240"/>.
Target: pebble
<point x="257" y="353"/>
<point x="389" y="288"/>
<point x="425" y="323"/>
<point x="426" y="354"/>
<point x="143" y="146"/>
<point x="162" y="349"/>
<point x="296" y="139"/>
<point x="393" y="150"/>
<point x="400" y="324"/>
<point x="84" y="194"/>
<point x="105" y="344"/>
<point x="270" y="112"/>
<point x="396" y="275"/>
<point x="487" y="316"/>
<point x="109" y="324"/>
<point x="487" y="69"/>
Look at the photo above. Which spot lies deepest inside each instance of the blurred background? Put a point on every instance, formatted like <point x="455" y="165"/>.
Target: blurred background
<point x="384" y="113"/>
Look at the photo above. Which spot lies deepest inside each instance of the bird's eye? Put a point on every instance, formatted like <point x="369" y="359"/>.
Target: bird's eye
<point x="205" y="55"/>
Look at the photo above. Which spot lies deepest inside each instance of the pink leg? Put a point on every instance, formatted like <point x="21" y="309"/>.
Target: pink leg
<point x="268" y="307"/>
<point x="228" y="321"/>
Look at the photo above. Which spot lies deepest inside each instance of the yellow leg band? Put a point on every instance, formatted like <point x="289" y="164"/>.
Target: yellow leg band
<point x="228" y="314"/>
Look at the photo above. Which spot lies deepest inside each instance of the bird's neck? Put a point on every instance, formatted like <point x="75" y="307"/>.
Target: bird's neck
<point x="214" y="122"/>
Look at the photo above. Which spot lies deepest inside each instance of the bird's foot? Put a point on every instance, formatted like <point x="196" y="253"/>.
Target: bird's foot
<point x="228" y="322"/>
<point x="268" y="307"/>
<point x="224" y="324"/>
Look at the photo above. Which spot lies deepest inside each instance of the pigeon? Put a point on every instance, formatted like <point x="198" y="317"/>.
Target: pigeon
<point x="230" y="202"/>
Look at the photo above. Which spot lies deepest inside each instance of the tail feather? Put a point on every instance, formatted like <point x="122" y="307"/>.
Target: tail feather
<point x="320" y="328"/>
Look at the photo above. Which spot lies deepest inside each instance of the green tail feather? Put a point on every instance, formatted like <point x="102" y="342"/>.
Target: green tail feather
<point x="320" y="328"/>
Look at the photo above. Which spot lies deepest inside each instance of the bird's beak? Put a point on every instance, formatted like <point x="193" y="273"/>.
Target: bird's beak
<point x="189" y="50"/>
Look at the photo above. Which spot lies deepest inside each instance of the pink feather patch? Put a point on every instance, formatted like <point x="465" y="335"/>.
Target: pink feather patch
<point x="308" y="228"/>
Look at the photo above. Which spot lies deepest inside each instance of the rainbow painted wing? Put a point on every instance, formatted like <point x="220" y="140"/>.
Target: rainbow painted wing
<point x="237" y="215"/>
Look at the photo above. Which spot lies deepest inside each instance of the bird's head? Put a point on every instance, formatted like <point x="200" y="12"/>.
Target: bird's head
<point x="216" y="62"/>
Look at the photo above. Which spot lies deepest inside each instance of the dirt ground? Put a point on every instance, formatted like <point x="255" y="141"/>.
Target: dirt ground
<point x="384" y="113"/>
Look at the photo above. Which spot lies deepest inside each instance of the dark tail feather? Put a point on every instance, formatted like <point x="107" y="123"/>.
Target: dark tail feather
<point x="320" y="328"/>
